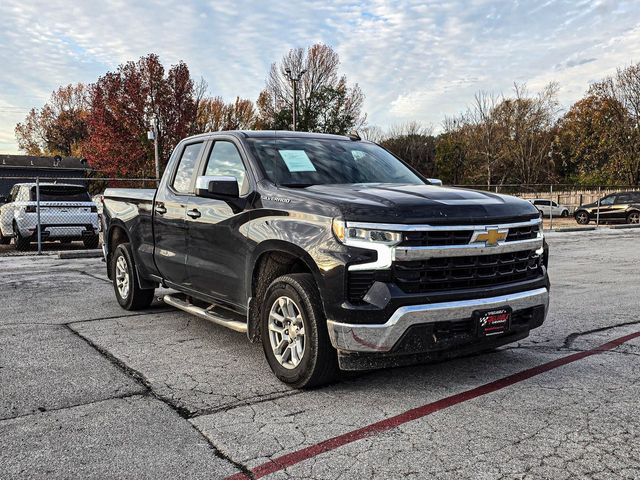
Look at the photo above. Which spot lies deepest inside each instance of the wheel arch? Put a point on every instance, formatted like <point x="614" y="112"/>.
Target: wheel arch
<point x="270" y="260"/>
<point x="114" y="236"/>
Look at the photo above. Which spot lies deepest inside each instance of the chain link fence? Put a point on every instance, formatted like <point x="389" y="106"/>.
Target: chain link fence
<point x="46" y="215"/>
<point x="49" y="214"/>
<point x="558" y="203"/>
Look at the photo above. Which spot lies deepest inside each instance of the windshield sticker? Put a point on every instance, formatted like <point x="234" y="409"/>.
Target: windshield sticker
<point x="297" y="161"/>
<point x="358" y="154"/>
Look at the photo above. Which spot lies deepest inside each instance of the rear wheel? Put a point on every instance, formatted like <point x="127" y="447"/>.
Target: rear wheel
<point x="91" y="242"/>
<point x="582" y="218"/>
<point x="21" y="243"/>
<point x="633" y="218"/>
<point x="565" y="213"/>
<point x="125" y="281"/>
<point x="294" y="333"/>
<point x="4" y="240"/>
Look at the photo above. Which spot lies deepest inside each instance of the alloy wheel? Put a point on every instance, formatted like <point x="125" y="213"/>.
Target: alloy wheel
<point x="286" y="332"/>
<point x="122" y="277"/>
<point x="582" y="218"/>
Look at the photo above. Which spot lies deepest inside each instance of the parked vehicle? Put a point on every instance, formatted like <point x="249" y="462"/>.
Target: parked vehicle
<point x="550" y="208"/>
<point x="330" y="250"/>
<point x="97" y="199"/>
<point x="617" y="207"/>
<point x="66" y="214"/>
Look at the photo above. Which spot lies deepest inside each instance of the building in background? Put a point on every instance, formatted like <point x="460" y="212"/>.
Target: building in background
<point x="25" y="168"/>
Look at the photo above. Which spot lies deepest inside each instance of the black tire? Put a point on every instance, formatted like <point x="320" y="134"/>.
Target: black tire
<point x="134" y="297"/>
<point x="22" y="244"/>
<point x="319" y="363"/>
<point x="633" y="218"/>
<point x="582" y="217"/>
<point x="565" y="213"/>
<point x="91" y="242"/>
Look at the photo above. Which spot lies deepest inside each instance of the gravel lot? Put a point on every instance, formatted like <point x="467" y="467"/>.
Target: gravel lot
<point x="91" y="391"/>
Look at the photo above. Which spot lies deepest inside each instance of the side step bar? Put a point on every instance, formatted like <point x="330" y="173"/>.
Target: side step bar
<point x="206" y="314"/>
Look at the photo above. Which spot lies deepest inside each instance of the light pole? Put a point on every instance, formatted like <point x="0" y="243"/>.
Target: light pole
<point x="294" y="80"/>
<point x="153" y="135"/>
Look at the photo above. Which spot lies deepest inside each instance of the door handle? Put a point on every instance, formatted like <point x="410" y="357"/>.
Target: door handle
<point x="161" y="210"/>
<point x="194" y="213"/>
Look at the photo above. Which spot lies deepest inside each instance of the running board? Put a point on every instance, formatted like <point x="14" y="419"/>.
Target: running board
<point x="205" y="314"/>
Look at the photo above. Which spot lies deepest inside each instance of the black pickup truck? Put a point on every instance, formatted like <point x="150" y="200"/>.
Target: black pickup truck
<point x="330" y="250"/>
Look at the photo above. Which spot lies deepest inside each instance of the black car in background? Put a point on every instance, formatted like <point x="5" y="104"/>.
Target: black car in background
<point x="617" y="207"/>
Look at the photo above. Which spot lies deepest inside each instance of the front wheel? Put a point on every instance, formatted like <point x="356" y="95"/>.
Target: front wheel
<point x="582" y="218"/>
<point x="294" y="333"/>
<point x="633" y="218"/>
<point x="125" y="282"/>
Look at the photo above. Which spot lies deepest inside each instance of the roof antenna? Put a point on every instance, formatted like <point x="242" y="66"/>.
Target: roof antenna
<point x="354" y="136"/>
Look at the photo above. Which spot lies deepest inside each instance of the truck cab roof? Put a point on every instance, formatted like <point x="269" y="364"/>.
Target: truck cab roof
<point x="273" y="134"/>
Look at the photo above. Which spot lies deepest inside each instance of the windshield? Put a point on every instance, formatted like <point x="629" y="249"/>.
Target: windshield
<point x="301" y="162"/>
<point x="61" y="193"/>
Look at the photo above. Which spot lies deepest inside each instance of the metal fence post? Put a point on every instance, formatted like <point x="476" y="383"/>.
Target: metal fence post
<point x="38" y="215"/>
<point x="550" y="207"/>
<point x="598" y="210"/>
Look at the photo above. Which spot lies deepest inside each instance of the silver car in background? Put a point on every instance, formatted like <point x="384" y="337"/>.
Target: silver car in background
<point x="549" y="207"/>
<point x="67" y="213"/>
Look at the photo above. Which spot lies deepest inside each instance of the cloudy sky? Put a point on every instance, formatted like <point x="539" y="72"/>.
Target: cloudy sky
<point x="418" y="60"/>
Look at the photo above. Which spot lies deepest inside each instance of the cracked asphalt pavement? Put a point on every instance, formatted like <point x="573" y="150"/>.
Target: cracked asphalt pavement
<point x="88" y="390"/>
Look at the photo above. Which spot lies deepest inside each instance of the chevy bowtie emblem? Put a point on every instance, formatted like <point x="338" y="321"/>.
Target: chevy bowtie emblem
<point x="491" y="237"/>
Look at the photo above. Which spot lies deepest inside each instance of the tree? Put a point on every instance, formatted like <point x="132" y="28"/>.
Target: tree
<point x="325" y="102"/>
<point x="124" y="105"/>
<point x="450" y="155"/>
<point x="621" y="92"/>
<point x="215" y="115"/>
<point x="525" y="128"/>
<point x="586" y="141"/>
<point x="59" y="127"/>
<point x="502" y="139"/>
<point x="413" y="143"/>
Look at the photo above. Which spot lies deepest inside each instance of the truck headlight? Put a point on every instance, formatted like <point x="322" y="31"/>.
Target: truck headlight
<point x="347" y="234"/>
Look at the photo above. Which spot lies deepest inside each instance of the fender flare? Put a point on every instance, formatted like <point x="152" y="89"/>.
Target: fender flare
<point x="267" y="247"/>
<point x="113" y="223"/>
<point x="282" y="246"/>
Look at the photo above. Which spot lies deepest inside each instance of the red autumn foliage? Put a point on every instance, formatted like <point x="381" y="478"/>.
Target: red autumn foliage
<point x="124" y="104"/>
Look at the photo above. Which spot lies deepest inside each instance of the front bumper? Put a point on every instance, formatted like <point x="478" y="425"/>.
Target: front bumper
<point x="373" y="338"/>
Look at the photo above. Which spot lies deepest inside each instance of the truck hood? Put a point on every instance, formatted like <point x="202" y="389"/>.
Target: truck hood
<point x="407" y="204"/>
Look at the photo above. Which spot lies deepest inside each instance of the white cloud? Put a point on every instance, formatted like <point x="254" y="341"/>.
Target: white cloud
<point x="413" y="59"/>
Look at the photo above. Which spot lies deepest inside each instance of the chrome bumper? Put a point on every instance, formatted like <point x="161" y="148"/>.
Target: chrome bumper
<point x="381" y="338"/>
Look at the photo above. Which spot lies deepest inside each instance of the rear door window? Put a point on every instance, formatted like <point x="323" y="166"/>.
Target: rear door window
<point x="182" y="182"/>
<point x="60" y="193"/>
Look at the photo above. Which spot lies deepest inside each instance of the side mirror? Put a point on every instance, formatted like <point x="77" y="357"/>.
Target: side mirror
<point x="435" y="181"/>
<point x="222" y="188"/>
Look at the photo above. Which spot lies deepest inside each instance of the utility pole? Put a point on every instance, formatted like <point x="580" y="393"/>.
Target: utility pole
<point x="294" y="80"/>
<point x="153" y="135"/>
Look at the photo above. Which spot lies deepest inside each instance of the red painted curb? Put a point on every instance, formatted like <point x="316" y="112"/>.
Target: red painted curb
<point x="284" y="461"/>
